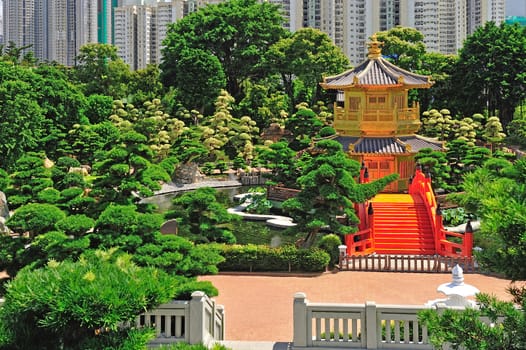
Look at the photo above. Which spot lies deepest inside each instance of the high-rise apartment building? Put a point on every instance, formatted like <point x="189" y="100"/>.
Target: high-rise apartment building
<point x="445" y="24"/>
<point x="19" y="22"/>
<point x="292" y="11"/>
<point x="54" y="30"/>
<point x="139" y="30"/>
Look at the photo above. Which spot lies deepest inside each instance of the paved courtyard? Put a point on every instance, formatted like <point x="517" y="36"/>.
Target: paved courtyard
<point x="259" y="308"/>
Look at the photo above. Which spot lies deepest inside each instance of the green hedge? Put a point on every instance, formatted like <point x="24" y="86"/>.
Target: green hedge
<point x="262" y="258"/>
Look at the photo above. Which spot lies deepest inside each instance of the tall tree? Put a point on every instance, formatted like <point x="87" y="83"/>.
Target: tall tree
<point x="328" y="190"/>
<point x="307" y="55"/>
<point x="100" y="71"/>
<point x="236" y="32"/>
<point x="197" y="76"/>
<point x="490" y="73"/>
<point x="404" y="46"/>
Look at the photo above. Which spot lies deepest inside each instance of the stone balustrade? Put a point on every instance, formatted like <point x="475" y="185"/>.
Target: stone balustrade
<point x="358" y="326"/>
<point x="197" y="321"/>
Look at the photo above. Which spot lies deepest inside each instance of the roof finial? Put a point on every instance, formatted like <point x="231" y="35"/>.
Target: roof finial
<point x="374" y="47"/>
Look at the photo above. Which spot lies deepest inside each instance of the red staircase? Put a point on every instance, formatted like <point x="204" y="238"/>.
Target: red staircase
<point x="402" y="225"/>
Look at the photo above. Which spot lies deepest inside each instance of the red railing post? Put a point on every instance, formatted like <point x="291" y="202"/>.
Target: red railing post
<point x="468" y="240"/>
<point x="370" y="216"/>
<point x="439" y="225"/>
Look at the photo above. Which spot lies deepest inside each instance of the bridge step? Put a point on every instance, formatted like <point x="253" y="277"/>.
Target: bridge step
<point x="402" y="225"/>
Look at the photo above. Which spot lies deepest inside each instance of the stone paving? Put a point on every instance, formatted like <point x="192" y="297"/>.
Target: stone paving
<point x="259" y="307"/>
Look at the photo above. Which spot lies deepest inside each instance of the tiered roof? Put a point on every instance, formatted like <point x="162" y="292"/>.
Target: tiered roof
<point x="376" y="72"/>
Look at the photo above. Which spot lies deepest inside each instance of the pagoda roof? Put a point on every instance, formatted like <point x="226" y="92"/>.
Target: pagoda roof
<point x="376" y="72"/>
<point x="387" y="145"/>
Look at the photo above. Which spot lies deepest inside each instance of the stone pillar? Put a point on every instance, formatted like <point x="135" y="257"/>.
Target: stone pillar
<point x="197" y="318"/>
<point x="300" y="319"/>
<point x="371" y="325"/>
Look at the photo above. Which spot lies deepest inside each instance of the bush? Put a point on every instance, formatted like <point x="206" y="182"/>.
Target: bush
<point x="35" y="218"/>
<point x="76" y="225"/>
<point x="327" y="131"/>
<point x="263" y="258"/>
<point x="49" y="195"/>
<point x="80" y="303"/>
<point x="330" y="243"/>
<point x="186" y="287"/>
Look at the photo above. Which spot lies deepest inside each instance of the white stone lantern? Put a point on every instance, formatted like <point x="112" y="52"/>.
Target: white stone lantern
<point x="457" y="291"/>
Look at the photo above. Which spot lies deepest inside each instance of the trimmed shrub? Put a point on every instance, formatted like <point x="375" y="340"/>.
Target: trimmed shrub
<point x="263" y="258"/>
<point x="330" y="243"/>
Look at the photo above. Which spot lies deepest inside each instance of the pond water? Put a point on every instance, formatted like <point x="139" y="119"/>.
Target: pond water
<point x="267" y="235"/>
<point x="164" y="201"/>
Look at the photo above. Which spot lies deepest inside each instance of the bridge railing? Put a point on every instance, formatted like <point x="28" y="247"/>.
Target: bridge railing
<point x="421" y="185"/>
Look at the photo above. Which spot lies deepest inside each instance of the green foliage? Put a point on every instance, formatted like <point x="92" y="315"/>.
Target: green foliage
<point x="330" y="243"/>
<point x="100" y="71"/>
<point x="123" y="173"/>
<point x="123" y="226"/>
<point x="455" y="216"/>
<point x="202" y="217"/>
<point x="303" y="59"/>
<point x="465" y="329"/>
<point x="186" y="286"/>
<point x="4" y="180"/>
<point x="184" y="346"/>
<point x="304" y="125"/>
<point x="28" y="179"/>
<point x="178" y="256"/>
<point x="71" y="305"/>
<point x="264" y="258"/>
<point x="281" y="159"/>
<point x="500" y="207"/>
<point x="436" y="164"/>
<point x="236" y="32"/>
<point x="89" y="141"/>
<point x="75" y="225"/>
<point x="256" y="200"/>
<point x="486" y="76"/>
<point x="200" y="77"/>
<point x="98" y="108"/>
<point x="328" y="191"/>
<point x="48" y="195"/>
<point x="35" y="218"/>
<point x="404" y="45"/>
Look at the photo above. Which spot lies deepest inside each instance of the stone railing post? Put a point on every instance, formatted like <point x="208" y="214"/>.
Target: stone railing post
<point x="197" y="318"/>
<point x="300" y="319"/>
<point x="221" y="336"/>
<point x="371" y="323"/>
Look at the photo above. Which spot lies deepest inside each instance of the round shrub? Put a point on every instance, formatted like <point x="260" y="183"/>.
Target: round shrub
<point x="330" y="243"/>
<point x="49" y="195"/>
<point x="35" y="218"/>
<point x="327" y="131"/>
<point x="76" y="225"/>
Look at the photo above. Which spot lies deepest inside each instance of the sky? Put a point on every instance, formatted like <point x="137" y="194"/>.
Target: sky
<point x="515" y="7"/>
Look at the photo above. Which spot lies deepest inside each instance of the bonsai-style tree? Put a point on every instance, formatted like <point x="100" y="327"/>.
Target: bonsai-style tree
<point x="202" y="217"/>
<point x="328" y="191"/>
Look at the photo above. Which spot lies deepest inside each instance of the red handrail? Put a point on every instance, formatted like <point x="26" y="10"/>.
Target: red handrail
<point x="421" y="185"/>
